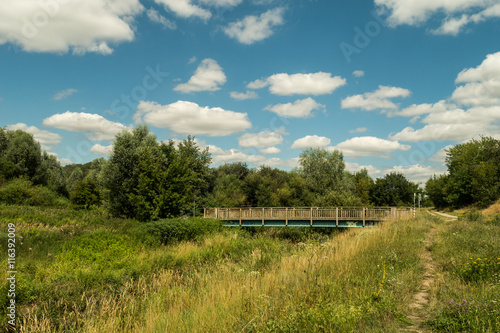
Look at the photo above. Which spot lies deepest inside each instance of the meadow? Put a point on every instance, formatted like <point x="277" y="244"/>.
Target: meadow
<point x="84" y="271"/>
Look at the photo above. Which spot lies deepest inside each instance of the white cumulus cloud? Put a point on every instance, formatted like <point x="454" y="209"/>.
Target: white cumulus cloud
<point x="96" y="125"/>
<point x="64" y="93"/>
<point x="243" y="96"/>
<point x="260" y="140"/>
<point x="301" y="108"/>
<point x="378" y="99"/>
<point x="191" y="119"/>
<point x="45" y="138"/>
<point x="284" y="84"/>
<point x="358" y="73"/>
<point x="253" y="28"/>
<point x="59" y="26"/>
<point x="207" y="77"/>
<point x="101" y="150"/>
<point x="185" y="8"/>
<point x="156" y="17"/>
<point x="270" y="151"/>
<point x="369" y="146"/>
<point x="311" y="141"/>
<point x="455" y="13"/>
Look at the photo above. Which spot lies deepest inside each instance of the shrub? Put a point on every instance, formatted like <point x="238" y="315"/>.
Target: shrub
<point x="172" y="230"/>
<point x="86" y="194"/>
<point x="20" y="191"/>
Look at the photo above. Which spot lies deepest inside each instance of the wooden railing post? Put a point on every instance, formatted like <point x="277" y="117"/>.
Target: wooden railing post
<point x="364" y="216"/>
<point x="240" y="217"/>
<point x="337" y="216"/>
<point x="263" y="213"/>
<point x="311" y="216"/>
<point x="286" y="216"/>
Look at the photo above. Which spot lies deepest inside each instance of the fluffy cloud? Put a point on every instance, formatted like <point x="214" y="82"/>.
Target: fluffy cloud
<point x="358" y="73"/>
<point x="378" y="99"/>
<point x="234" y="155"/>
<point x="61" y="160"/>
<point x="270" y="151"/>
<point x="457" y="13"/>
<point x="96" y="125"/>
<point x="417" y="173"/>
<point x="255" y="28"/>
<point x="301" y="108"/>
<point x="421" y="109"/>
<point x="207" y="77"/>
<point x="101" y="150"/>
<point x="154" y="16"/>
<point x="190" y="118"/>
<point x="260" y="140"/>
<point x="46" y="138"/>
<point x="64" y="93"/>
<point x="58" y="26"/>
<point x="305" y="84"/>
<point x="359" y="130"/>
<point x="221" y="3"/>
<point x="369" y="146"/>
<point x="311" y="141"/>
<point x="243" y="96"/>
<point x="355" y="167"/>
<point x="185" y="9"/>
<point x="482" y="83"/>
<point x="445" y="132"/>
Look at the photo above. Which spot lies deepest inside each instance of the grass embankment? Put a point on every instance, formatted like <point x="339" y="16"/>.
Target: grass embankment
<point x="85" y="272"/>
<point x="466" y="294"/>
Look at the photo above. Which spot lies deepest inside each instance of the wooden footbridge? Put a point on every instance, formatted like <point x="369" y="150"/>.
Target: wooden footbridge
<point x="307" y="216"/>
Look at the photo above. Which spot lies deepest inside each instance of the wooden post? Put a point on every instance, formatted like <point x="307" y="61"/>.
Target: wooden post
<point x="240" y="217"/>
<point x="286" y="216"/>
<point x="262" y="216"/>
<point x="337" y="215"/>
<point x="311" y="216"/>
<point x="216" y="213"/>
<point x="364" y="216"/>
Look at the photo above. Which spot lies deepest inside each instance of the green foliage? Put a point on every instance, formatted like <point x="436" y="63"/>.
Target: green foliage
<point x="148" y="181"/>
<point x="474" y="174"/>
<point x="362" y="185"/>
<point x="20" y="153"/>
<point x="175" y="230"/>
<point x="393" y="190"/>
<point x="86" y="194"/>
<point x="20" y="191"/>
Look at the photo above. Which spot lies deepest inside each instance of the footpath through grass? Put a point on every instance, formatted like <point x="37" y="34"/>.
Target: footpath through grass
<point x="466" y="293"/>
<point x="85" y="272"/>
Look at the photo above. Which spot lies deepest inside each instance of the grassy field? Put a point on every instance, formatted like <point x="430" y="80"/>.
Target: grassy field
<point x="82" y="271"/>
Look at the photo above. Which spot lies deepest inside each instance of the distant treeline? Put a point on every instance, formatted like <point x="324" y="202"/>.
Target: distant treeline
<point x="147" y="179"/>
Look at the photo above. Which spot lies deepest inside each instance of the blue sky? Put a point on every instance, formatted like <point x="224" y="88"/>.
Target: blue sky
<point x="391" y="83"/>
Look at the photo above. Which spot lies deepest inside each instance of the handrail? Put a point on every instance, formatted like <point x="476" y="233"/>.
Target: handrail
<point x="308" y="213"/>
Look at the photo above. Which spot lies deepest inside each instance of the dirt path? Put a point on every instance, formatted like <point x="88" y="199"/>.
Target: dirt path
<point x="452" y="217"/>
<point x="421" y="298"/>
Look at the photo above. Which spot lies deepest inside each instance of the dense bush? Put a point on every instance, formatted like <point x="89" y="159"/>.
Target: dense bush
<point x="20" y="191"/>
<point x="86" y="194"/>
<point x="173" y="230"/>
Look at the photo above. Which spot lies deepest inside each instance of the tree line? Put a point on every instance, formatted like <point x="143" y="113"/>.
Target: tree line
<point x="146" y="179"/>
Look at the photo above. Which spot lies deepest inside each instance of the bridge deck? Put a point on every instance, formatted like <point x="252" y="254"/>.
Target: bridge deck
<point x="307" y="216"/>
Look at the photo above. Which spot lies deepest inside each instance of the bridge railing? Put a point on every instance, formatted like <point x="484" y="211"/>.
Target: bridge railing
<point x="308" y="213"/>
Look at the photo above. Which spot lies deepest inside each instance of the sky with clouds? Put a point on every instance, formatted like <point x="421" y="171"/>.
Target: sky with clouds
<point x="391" y="83"/>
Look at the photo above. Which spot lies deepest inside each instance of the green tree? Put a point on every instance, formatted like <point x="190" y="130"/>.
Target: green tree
<point x="132" y="151"/>
<point x="436" y="189"/>
<point x="22" y="154"/>
<point x="362" y="184"/>
<point x="86" y="194"/>
<point x="474" y="172"/>
<point x="393" y="190"/>
<point x="75" y="177"/>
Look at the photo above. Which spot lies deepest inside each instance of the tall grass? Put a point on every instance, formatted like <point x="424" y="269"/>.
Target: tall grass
<point x="86" y="272"/>
<point x="467" y="295"/>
